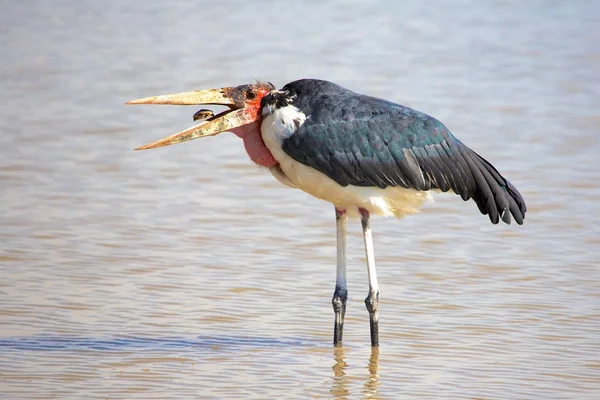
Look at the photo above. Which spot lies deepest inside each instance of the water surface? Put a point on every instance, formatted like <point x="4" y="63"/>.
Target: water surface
<point x="186" y="272"/>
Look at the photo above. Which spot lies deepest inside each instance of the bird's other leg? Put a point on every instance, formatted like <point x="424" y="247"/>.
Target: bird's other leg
<point x="340" y="295"/>
<point x="372" y="300"/>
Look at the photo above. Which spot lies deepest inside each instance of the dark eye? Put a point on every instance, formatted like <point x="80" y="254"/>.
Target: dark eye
<point x="250" y="94"/>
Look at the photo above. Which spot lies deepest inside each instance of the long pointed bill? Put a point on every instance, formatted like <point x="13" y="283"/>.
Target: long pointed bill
<point x="210" y="96"/>
<point x="214" y="125"/>
<point x="211" y="127"/>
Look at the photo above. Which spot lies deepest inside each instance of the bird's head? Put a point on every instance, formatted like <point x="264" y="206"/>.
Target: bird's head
<point x="244" y="104"/>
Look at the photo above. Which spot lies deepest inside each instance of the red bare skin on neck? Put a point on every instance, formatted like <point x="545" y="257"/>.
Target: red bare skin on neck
<point x="250" y="133"/>
<point x="254" y="144"/>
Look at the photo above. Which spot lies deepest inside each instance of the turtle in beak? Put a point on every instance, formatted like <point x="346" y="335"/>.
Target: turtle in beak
<point x="244" y="103"/>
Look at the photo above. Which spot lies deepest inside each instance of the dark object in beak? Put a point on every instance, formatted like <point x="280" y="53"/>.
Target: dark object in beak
<point x="203" y="114"/>
<point x="222" y="122"/>
<point x="243" y="104"/>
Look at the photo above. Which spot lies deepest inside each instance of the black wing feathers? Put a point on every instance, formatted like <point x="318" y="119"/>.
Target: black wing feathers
<point x="364" y="141"/>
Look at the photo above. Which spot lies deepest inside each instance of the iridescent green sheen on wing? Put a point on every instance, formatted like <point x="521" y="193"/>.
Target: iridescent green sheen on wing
<point x="365" y="141"/>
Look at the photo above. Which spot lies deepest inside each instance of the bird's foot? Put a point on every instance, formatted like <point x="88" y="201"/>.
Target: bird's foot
<point x="372" y="303"/>
<point x="340" y="296"/>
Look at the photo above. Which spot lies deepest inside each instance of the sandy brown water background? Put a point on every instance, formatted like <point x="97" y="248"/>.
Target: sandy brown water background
<point x="186" y="272"/>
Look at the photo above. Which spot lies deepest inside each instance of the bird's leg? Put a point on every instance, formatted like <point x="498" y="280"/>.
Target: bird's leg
<point x="341" y="288"/>
<point x="372" y="300"/>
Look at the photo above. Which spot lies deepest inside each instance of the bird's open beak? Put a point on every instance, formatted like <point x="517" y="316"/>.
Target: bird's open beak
<point x="214" y="125"/>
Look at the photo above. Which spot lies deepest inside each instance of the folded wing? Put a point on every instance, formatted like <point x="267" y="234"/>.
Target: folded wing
<point x="364" y="141"/>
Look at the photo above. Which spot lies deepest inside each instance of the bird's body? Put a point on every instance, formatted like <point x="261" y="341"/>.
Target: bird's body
<point x="363" y="154"/>
<point x="357" y="151"/>
<point x="390" y="201"/>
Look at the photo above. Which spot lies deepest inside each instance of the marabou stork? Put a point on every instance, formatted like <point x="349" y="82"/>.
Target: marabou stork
<point x="363" y="154"/>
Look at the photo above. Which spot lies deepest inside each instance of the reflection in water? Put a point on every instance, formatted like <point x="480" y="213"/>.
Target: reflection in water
<point x="372" y="383"/>
<point x="341" y="381"/>
<point x="201" y="343"/>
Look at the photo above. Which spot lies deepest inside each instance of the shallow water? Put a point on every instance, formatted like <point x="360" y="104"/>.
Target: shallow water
<point x="186" y="272"/>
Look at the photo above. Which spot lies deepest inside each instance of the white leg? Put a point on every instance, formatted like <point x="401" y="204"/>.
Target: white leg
<point x="340" y="296"/>
<point x="372" y="300"/>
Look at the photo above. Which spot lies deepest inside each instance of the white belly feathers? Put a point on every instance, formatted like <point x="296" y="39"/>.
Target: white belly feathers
<point x="391" y="201"/>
